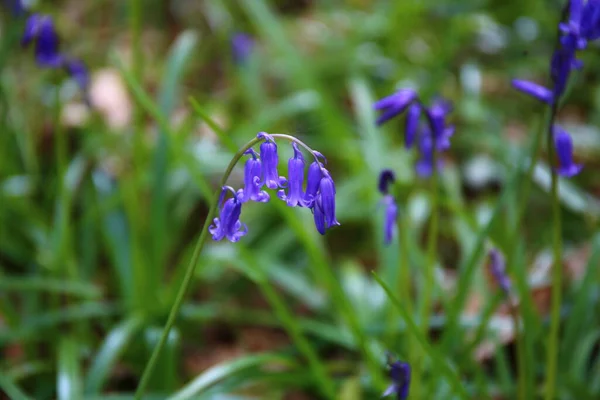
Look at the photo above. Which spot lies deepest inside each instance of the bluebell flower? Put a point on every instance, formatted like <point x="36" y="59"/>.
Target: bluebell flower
<point x="78" y="72"/>
<point x="498" y="270"/>
<point x="40" y="29"/>
<point x="295" y="182"/>
<point x="424" y="165"/>
<point x="394" y="104"/>
<point x="564" y="151"/>
<point x="562" y="63"/>
<point x="390" y="218"/>
<point x="16" y="7"/>
<point x="228" y="224"/>
<point x="400" y="376"/>
<point x="270" y="159"/>
<point x="412" y="124"/>
<point x="590" y="20"/>
<point x="533" y="89"/>
<point x="436" y="115"/>
<point x="241" y="47"/>
<point x="324" y="203"/>
<point x="386" y="178"/>
<point x="312" y="183"/>
<point x="252" y="179"/>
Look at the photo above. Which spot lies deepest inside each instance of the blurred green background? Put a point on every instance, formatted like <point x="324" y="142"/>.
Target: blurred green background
<point x="100" y="208"/>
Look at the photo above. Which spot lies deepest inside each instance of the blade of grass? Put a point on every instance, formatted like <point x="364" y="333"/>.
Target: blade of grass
<point x="440" y="366"/>
<point x="11" y="389"/>
<point x="221" y="371"/>
<point x="111" y="349"/>
<point x="69" y="383"/>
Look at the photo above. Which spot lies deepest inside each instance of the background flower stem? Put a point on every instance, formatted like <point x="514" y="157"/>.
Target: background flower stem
<point x="429" y="274"/>
<point x="552" y="349"/>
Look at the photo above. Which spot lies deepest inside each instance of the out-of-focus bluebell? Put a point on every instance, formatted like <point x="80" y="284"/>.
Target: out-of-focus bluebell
<point x="227" y="224"/>
<point x="78" y="72"/>
<point x="40" y="29"/>
<point x="400" y="376"/>
<point x="242" y="46"/>
<point x="533" y="89"/>
<point x="498" y="270"/>
<point x="386" y="178"/>
<point x="394" y="104"/>
<point x="412" y="124"/>
<point x="564" y="151"/>
<point x="390" y="217"/>
<point x="424" y="165"/>
<point x="16" y="7"/>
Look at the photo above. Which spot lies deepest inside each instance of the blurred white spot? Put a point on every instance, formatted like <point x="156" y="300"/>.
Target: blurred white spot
<point x="109" y="96"/>
<point x="470" y="78"/>
<point x="74" y="115"/>
<point x="526" y="28"/>
<point x="491" y="37"/>
<point x="417" y="50"/>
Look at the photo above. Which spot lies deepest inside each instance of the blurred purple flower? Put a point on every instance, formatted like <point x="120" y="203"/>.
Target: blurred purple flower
<point x="78" y="72"/>
<point x="498" y="270"/>
<point x="400" y="376"/>
<point x="564" y="152"/>
<point x="533" y="89"/>
<point x="16" y="7"/>
<point x="394" y="104"/>
<point x="386" y="178"/>
<point x="391" y="215"/>
<point x="412" y="124"/>
<point x="242" y="46"/>
<point x="40" y="29"/>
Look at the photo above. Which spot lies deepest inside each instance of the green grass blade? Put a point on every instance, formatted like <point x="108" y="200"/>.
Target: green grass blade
<point x="440" y="366"/>
<point x="221" y="371"/>
<point x="69" y="382"/>
<point x="111" y="349"/>
<point x="10" y="388"/>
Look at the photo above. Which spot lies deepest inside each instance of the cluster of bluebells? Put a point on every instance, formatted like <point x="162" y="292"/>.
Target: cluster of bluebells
<point x="41" y="33"/>
<point x="400" y="375"/>
<point x="260" y="170"/>
<point x="580" y="26"/>
<point x="431" y="134"/>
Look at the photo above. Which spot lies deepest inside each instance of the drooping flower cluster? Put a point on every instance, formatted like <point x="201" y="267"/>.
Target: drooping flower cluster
<point x="581" y="26"/>
<point x="260" y="170"/>
<point x="400" y="376"/>
<point x="432" y="134"/>
<point x="40" y="31"/>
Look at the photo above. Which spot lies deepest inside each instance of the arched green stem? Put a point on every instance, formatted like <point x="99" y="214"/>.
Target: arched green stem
<point x="191" y="268"/>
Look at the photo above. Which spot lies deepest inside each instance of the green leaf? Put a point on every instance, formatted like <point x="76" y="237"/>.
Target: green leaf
<point x="111" y="349"/>
<point x="221" y="371"/>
